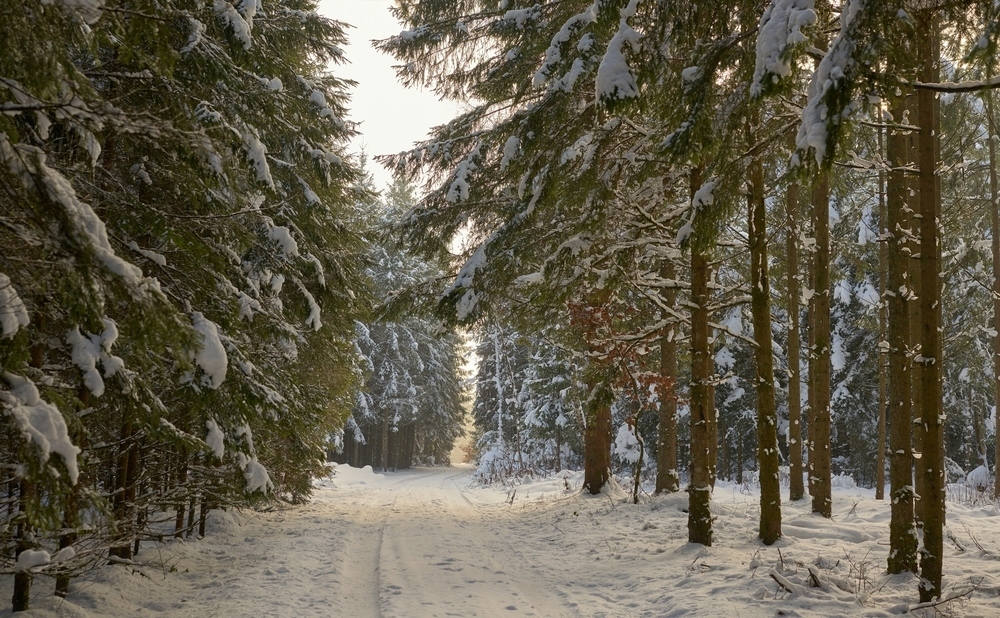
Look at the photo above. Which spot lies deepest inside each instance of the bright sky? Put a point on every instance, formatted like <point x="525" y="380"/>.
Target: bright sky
<point x="392" y="117"/>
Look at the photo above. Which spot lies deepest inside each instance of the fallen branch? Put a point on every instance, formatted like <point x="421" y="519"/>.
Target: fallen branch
<point x="784" y="583"/>
<point x="814" y="578"/>
<point x="948" y="599"/>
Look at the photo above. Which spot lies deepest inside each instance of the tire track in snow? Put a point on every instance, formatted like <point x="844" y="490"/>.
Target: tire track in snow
<point x="438" y="559"/>
<point x="360" y="582"/>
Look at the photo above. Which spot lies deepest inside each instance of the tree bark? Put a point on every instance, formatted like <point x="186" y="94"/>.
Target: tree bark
<point x="767" y="412"/>
<point x="667" y="479"/>
<point x="125" y="488"/>
<point x="819" y="378"/>
<point x="597" y="442"/>
<point x="796" y="491"/>
<point x="902" y="530"/>
<point x="882" y="325"/>
<point x="21" y="599"/>
<point x="931" y="464"/>
<point x="700" y="487"/>
<point x="995" y="219"/>
<point x="916" y="285"/>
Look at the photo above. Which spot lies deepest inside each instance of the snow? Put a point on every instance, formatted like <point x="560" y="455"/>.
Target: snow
<point x="283" y="236"/>
<point x="979" y="478"/>
<point x="257" y="155"/>
<point x="211" y="356"/>
<point x="196" y="35"/>
<point x="614" y="77"/>
<point x="816" y="115"/>
<point x="313" y="319"/>
<point x="88" y="10"/>
<point x="39" y="422"/>
<point x="703" y="198"/>
<point x="13" y="313"/>
<point x="780" y="28"/>
<point x="510" y="151"/>
<point x="215" y="439"/>
<point x="553" y="55"/>
<point x="626" y="446"/>
<point x="459" y="189"/>
<point x="157" y="258"/>
<point x="30" y="558"/>
<point x="256" y="477"/>
<point x="29" y="164"/>
<point x="227" y="13"/>
<point x="430" y="542"/>
<point x="90" y="350"/>
<point x="519" y="17"/>
<point x="318" y="98"/>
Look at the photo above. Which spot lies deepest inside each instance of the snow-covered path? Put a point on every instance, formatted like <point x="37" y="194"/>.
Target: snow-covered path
<point x="427" y="542"/>
<point x="441" y="556"/>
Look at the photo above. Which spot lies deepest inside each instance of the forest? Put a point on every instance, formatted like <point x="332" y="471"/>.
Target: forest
<point x="688" y="241"/>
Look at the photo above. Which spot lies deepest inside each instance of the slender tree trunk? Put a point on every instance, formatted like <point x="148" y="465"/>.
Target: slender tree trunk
<point x="125" y="488"/>
<point x="558" y="447"/>
<point x="902" y="530"/>
<point x="767" y="412"/>
<point x="385" y="440"/>
<point x="819" y="380"/>
<point x="71" y="512"/>
<point x="637" y="481"/>
<point x="916" y="285"/>
<point x="21" y="599"/>
<point x="995" y="217"/>
<point x="882" y="318"/>
<point x="700" y="487"/>
<point x="931" y="464"/>
<point x="712" y="415"/>
<point x="811" y="359"/>
<point x="796" y="491"/>
<point x="667" y="479"/>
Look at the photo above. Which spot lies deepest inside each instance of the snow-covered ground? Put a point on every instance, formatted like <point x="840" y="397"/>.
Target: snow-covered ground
<point x="428" y="543"/>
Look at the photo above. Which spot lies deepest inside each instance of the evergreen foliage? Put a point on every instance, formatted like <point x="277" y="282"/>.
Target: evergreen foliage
<point x="179" y="262"/>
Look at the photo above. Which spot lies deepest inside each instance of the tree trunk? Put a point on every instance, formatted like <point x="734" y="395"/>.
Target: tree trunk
<point x="931" y="464"/>
<point x="71" y="511"/>
<point x="819" y="379"/>
<point x="712" y="415"/>
<point x="916" y="285"/>
<point x="20" y="601"/>
<point x="125" y="488"/>
<point x="385" y="440"/>
<point x="882" y="317"/>
<point x="700" y="487"/>
<point x="796" y="491"/>
<point x="597" y="442"/>
<point x="902" y="530"/>
<point x="638" y="464"/>
<point x="995" y="215"/>
<point x="558" y="447"/>
<point x="667" y="479"/>
<point x="811" y="361"/>
<point x="760" y="308"/>
<point x="182" y="474"/>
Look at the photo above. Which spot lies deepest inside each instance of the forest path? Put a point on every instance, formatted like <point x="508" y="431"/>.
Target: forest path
<point x="444" y="555"/>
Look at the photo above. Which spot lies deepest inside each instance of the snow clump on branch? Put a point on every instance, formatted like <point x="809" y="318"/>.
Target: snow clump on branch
<point x="211" y="356"/>
<point x="614" y="77"/>
<point x="13" y="313"/>
<point x="40" y="422"/>
<point x="780" y="30"/>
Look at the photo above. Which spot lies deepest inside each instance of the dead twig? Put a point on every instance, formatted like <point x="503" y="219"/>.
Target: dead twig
<point x="948" y="599"/>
